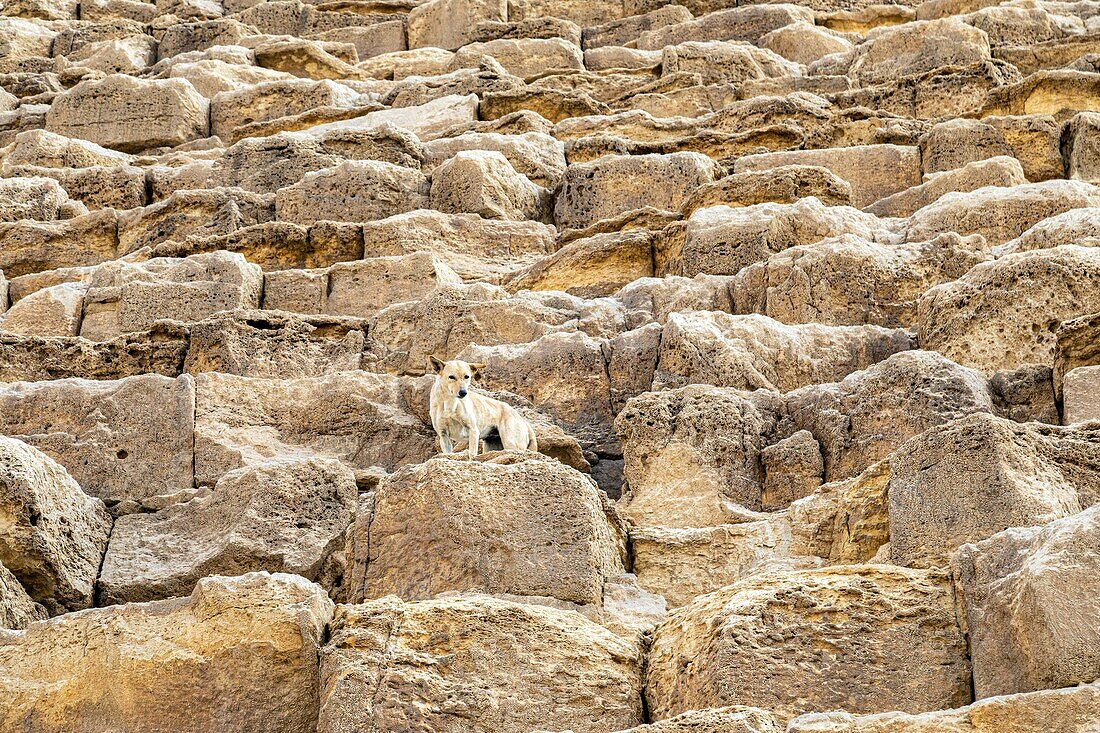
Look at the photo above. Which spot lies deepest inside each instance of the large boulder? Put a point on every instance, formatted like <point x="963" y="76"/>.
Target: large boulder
<point x="1031" y="596"/>
<point x="912" y="48"/>
<point x="520" y="526"/>
<point x="238" y="654"/>
<point x="31" y="246"/>
<point x="355" y="190"/>
<point x="42" y="199"/>
<point x="451" y="24"/>
<point x="473" y="247"/>
<point x="864" y="417"/>
<point x="281" y="516"/>
<point x="360" y="288"/>
<point x="721" y="240"/>
<point x="759" y="642"/>
<point x="108" y="434"/>
<point x="362" y="419"/>
<point x="1000" y="213"/>
<point x="692" y="455"/>
<point x="195" y="212"/>
<point x="751" y="351"/>
<point x="274" y="344"/>
<point x="592" y="266"/>
<point x="1067" y="709"/>
<point x="476" y="665"/>
<point x="55" y="534"/>
<point x="849" y="280"/>
<point x="873" y="171"/>
<point x="130" y="114"/>
<point x="123" y="297"/>
<point x="483" y="182"/>
<point x="1003" y="313"/>
<point x="683" y="563"/>
<point x="17" y="609"/>
<point x="615" y="184"/>
<point x="976" y="476"/>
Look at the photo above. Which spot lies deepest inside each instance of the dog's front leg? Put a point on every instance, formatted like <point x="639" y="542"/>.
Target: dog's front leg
<point x="445" y="444"/>
<point x="474" y="435"/>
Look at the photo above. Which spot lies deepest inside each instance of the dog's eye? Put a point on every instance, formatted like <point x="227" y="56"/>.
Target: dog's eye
<point x="467" y="376"/>
<point x="451" y="377"/>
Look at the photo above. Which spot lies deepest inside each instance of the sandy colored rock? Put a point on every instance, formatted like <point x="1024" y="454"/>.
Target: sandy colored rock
<point x="870" y="413"/>
<point x="192" y="213"/>
<point x="235" y="110"/>
<point x="976" y="476"/>
<point x="1028" y="595"/>
<point x="873" y="171"/>
<point x="382" y="665"/>
<point x="780" y="185"/>
<point x="747" y="23"/>
<point x="359" y="289"/>
<point x="684" y="563"/>
<point x="749" y="352"/>
<point x="360" y="190"/>
<point x="721" y="240"/>
<point x="362" y="419"/>
<point x="793" y="468"/>
<point x="692" y="456"/>
<point x="55" y="534"/>
<point x="1080" y="397"/>
<point x="245" y="650"/>
<point x="848" y="280"/>
<point x="526" y="58"/>
<point x="1002" y="314"/>
<point x="590" y="267"/>
<point x="17" y="609"/>
<point x="53" y="311"/>
<point x="914" y="48"/>
<point x="997" y="171"/>
<point x="130" y="114"/>
<point x="483" y="182"/>
<point x="104" y="434"/>
<point x="471" y="246"/>
<point x="274" y="344"/>
<point x="757" y="642"/>
<point x="29" y="246"/>
<point x="450" y="24"/>
<point x="123" y="297"/>
<point x="997" y="213"/>
<point x="520" y="526"/>
<point x="725" y="61"/>
<point x="615" y="184"/>
<point x="34" y="198"/>
<point x="1071" y="709"/>
<point x="282" y="516"/>
<point x="804" y="42"/>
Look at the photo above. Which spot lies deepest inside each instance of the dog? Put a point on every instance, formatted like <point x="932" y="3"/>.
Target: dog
<point x="461" y="415"/>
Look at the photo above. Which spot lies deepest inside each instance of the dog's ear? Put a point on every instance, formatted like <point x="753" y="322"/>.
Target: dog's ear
<point x="476" y="369"/>
<point x="436" y="362"/>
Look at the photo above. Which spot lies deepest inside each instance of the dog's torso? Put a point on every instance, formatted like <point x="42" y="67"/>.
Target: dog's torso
<point x="455" y="417"/>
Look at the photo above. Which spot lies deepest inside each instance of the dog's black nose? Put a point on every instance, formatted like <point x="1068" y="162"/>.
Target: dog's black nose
<point x="462" y="394"/>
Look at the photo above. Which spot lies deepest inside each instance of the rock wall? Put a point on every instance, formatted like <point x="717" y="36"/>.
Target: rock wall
<point x="802" y="300"/>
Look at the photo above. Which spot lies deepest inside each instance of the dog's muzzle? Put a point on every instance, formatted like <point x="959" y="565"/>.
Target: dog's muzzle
<point x="461" y="394"/>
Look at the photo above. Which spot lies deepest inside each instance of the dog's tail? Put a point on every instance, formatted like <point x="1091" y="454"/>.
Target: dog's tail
<point x="532" y="443"/>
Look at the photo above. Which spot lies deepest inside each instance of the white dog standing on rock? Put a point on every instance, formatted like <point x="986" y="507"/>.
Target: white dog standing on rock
<point x="460" y="415"/>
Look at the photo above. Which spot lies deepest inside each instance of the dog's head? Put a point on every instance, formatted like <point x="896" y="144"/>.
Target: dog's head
<point x="455" y="376"/>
